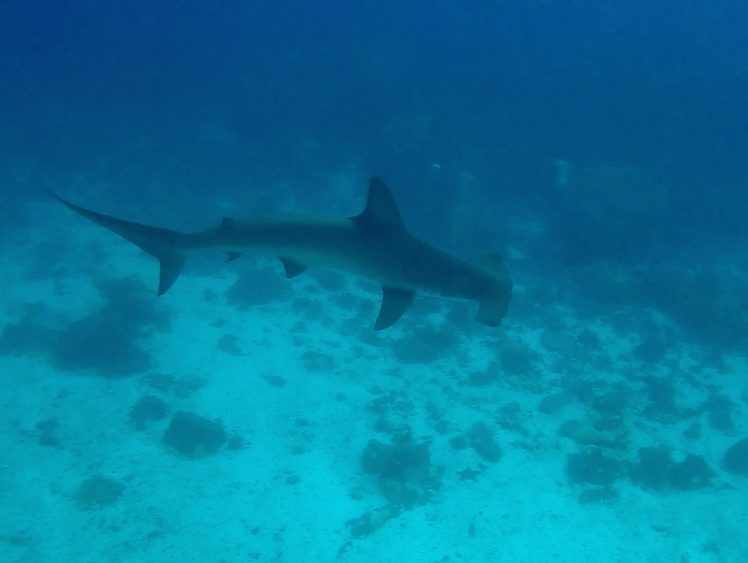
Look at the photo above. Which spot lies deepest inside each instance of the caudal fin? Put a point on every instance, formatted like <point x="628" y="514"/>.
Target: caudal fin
<point x="164" y="244"/>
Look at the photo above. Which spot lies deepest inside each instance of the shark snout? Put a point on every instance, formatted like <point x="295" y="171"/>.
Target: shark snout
<point x="494" y="306"/>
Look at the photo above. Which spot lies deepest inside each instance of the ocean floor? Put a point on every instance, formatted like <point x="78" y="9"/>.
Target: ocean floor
<point x="246" y="417"/>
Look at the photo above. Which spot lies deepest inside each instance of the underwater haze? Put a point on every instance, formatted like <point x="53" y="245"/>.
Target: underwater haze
<point x="599" y="147"/>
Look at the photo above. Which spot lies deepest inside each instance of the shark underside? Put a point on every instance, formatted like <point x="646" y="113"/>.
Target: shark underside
<point x="374" y="245"/>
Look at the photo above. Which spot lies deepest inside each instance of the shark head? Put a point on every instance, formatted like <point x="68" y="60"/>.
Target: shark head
<point x="494" y="305"/>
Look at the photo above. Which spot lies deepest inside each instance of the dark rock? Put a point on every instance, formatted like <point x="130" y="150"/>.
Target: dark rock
<point x="459" y="442"/>
<point x="470" y="474"/>
<point x="372" y="520"/>
<point x="608" y="432"/>
<point x="437" y="420"/>
<point x="592" y="467"/>
<point x="107" y="342"/>
<point x="482" y="441"/>
<point x="721" y="420"/>
<point x="381" y="405"/>
<point x="147" y="409"/>
<point x="194" y="436"/>
<point x="164" y="382"/>
<point x="318" y="362"/>
<point x="719" y="410"/>
<point x="100" y="344"/>
<point x="425" y="345"/>
<point x="552" y="404"/>
<point x="568" y="429"/>
<point x="735" y="460"/>
<point x="230" y="344"/>
<point x="402" y="491"/>
<point x="516" y="359"/>
<point x="406" y="456"/>
<point x="661" y="394"/>
<point x="509" y="417"/>
<point x="588" y="339"/>
<point x="376" y="457"/>
<point x="481" y="378"/>
<point x="404" y="470"/>
<point x="693" y="432"/>
<point x="653" y="469"/>
<point x="186" y="386"/>
<point x="385" y="425"/>
<point x="130" y="302"/>
<point x="651" y="347"/>
<point x="657" y="470"/>
<point x="690" y="474"/>
<point x="612" y="403"/>
<point x="97" y="492"/>
<point x="236" y="442"/>
<point x="181" y="387"/>
<point x="48" y="425"/>
<point x="27" y="336"/>
<point x="559" y="340"/>
<point x="711" y="547"/>
<point x="49" y="440"/>
<point x="274" y="380"/>
<point x="46" y="433"/>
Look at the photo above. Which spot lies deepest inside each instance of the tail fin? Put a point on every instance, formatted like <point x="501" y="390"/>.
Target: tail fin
<point x="164" y="244"/>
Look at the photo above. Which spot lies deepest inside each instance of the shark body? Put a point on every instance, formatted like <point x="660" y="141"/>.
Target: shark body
<point x="374" y="245"/>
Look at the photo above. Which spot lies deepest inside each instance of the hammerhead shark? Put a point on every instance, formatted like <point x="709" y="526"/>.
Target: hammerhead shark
<point x="374" y="245"/>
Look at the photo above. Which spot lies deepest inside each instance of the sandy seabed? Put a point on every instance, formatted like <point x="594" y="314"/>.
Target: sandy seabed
<point x="300" y="379"/>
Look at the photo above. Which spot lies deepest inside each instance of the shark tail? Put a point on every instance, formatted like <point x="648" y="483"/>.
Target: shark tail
<point x="163" y="244"/>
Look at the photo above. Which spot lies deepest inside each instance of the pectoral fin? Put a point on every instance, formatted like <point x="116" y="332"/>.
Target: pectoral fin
<point x="292" y="267"/>
<point x="171" y="266"/>
<point x="395" y="302"/>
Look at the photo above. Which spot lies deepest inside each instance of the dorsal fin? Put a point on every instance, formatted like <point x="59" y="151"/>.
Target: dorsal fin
<point x="381" y="211"/>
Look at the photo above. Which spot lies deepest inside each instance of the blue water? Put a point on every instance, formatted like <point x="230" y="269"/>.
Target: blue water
<point x="600" y="148"/>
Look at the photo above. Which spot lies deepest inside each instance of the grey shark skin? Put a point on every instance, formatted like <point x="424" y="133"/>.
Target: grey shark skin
<point x="374" y="245"/>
